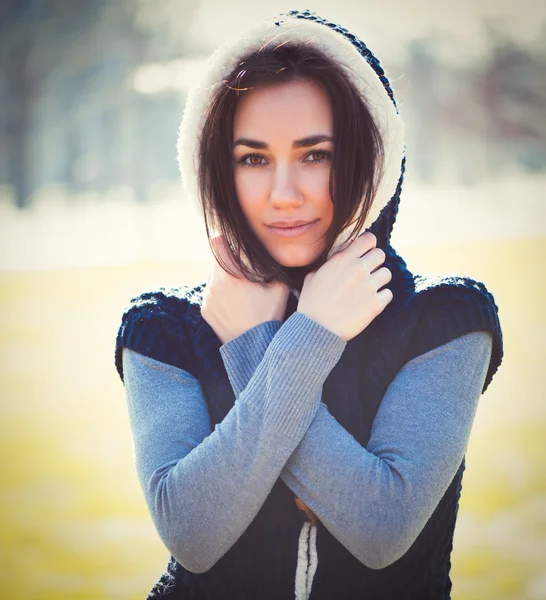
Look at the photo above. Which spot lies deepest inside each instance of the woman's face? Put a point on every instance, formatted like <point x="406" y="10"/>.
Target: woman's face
<point x="283" y="144"/>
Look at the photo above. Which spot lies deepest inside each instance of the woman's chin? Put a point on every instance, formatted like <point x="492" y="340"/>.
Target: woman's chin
<point x="293" y="257"/>
<point x="294" y="261"/>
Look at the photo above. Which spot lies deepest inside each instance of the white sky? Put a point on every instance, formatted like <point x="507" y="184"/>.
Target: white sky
<point x="384" y="25"/>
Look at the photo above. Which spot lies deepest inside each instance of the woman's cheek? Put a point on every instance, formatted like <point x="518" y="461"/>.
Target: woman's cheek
<point x="250" y="191"/>
<point x="317" y="182"/>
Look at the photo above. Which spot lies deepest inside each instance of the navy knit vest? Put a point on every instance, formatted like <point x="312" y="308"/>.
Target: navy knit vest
<point x="166" y="324"/>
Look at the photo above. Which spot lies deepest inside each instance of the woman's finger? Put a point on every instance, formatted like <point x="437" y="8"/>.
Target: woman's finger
<point x="385" y="295"/>
<point x="372" y="260"/>
<point x="358" y="247"/>
<point x="381" y="277"/>
<point x="302" y="506"/>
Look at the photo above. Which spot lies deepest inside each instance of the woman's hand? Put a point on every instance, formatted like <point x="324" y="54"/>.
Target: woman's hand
<point x="343" y="294"/>
<point x="302" y="506"/>
<point x="233" y="304"/>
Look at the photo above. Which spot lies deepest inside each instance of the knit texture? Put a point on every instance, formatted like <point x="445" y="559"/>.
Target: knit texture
<point x="352" y="392"/>
<point x="166" y="324"/>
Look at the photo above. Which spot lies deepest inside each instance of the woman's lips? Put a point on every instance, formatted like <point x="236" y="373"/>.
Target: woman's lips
<point x="292" y="231"/>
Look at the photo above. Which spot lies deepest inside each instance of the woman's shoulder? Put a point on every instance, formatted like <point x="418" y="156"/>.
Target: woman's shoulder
<point x="450" y="306"/>
<point x="178" y="305"/>
<point x="158" y="323"/>
<point x="436" y="295"/>
<point x="166" y="300"/>
<point x="453" y="286"/>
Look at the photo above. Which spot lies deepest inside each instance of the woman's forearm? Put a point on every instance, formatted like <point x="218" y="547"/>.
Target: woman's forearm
<point x="204" y="488"/>
<point x="376" y="500"/>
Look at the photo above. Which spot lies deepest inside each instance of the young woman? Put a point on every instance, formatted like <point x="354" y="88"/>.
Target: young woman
<point x="300" y="419"/>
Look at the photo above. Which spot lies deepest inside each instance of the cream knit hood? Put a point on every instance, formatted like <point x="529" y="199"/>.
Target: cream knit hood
<point x="360" y="65"/>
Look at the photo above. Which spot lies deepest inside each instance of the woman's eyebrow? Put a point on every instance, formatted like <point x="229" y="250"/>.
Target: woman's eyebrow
<point x="311" y="140"/>
<point x="250" y="143"/>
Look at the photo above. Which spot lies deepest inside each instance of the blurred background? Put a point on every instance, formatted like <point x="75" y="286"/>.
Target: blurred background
<point x="92" y="213"/>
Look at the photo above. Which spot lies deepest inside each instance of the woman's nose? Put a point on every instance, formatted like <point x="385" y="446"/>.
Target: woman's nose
<point x="285" y="190"/>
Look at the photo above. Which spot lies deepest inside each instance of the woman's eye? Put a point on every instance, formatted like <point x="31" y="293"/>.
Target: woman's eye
<point x="319" y="156"/>
<point x="251" y="160"/>
<point x="257" y="160"/>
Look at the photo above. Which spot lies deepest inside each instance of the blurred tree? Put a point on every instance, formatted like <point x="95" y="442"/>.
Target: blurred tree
<point x="63" y="69"/>
<point x="92" y="98"/>
<point x="512" y="86"/>
<point x="467" y="120"/>
<point x="424" y="88"/>
<point x="33" y="37"/>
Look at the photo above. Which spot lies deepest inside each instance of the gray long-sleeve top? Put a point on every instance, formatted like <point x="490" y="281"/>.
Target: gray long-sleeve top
<point x="203" y="488"/>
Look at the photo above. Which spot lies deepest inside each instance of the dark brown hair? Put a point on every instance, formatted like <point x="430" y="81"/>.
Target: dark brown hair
<point x="355" y="168"/>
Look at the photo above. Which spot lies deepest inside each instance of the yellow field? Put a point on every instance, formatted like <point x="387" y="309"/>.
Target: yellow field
<point x="73" y="521"/>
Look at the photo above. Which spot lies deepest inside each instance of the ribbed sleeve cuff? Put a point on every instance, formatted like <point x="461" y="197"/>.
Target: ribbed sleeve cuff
<point x="243" y="354"/>
<point x="287" y="384"/>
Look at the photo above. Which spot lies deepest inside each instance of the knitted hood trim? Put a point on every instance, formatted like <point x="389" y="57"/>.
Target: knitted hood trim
<point x="359" y="64"/>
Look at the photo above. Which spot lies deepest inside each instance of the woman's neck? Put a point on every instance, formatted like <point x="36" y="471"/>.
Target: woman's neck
<point x="297" y="275"/>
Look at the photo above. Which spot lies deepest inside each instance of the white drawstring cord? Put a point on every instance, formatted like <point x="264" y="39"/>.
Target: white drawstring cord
<point x="313" y="558"/>
<point x="307" y="566"/>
